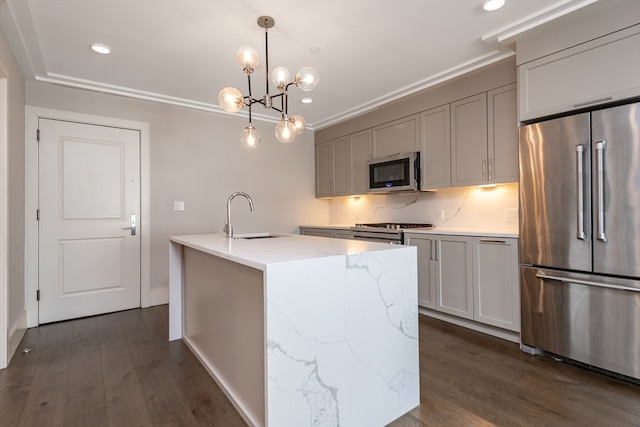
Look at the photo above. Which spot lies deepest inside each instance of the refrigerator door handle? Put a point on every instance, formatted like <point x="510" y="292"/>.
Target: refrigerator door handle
<point x="580" y="179"/>
<point x="600" y="235"/>
<point x="544" y="276"/>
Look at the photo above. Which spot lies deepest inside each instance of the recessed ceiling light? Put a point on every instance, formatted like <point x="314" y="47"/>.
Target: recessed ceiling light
<point x="491" y="5"/>
<point x="101" y="48"/>
<point x="306" y="100"/>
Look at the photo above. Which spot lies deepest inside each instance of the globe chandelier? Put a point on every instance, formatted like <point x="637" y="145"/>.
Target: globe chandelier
<point x="232" y="100"/>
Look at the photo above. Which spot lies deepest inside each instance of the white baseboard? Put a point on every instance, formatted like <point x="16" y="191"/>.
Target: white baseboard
<point x="159" y="296"/>
<point x="470" y="324"/>
<point x="16" y="333"/>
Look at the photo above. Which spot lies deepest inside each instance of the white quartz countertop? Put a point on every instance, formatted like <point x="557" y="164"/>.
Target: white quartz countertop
<point x="465" y="232"/>
<point x="510" y="233"/>
<point x="260" y="253"/>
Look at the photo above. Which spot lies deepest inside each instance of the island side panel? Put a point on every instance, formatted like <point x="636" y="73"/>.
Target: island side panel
<point x="342" y="339"/>
<point x="175" y="291"/>
<point x="224" y="326"/>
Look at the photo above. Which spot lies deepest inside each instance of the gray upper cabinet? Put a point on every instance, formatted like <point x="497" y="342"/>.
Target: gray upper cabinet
<point x="341" y="165"/>
<point x="599" y="71"/>
<point x="324" y="169"/>
<point x="469" y="141"/>
<point x="502" y="149"/>
<point x="484" y="138"/>
<point x="398" y="136"/>
<point x="333" y="173"/>
<point x="436" y="148"/>
<point x="360" y="145"/>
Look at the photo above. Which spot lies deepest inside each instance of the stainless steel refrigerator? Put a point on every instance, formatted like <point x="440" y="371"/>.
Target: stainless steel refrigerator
<point x="580" y="237"/>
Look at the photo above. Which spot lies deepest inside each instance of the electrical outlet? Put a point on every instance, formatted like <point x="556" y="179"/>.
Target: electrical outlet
<point x="441" y="213"/>
<point x="511" y="214"/>
<point x="178" y="206"/>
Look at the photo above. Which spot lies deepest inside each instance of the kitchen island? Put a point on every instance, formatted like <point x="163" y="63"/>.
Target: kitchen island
<point x="300" y="330"/>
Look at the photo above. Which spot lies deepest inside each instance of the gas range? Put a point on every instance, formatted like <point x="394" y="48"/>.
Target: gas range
<point x="388" y="232"/>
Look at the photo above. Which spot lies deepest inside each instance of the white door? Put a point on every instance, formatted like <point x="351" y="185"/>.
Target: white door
<point x="89" y="198"/>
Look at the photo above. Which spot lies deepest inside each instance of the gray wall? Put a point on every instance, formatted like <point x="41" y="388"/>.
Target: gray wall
<point x="16" y="184"/>
<point x="196" y="157"/>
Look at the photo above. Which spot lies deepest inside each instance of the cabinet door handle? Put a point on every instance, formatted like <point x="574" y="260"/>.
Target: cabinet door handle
<point x="492" y="241"/>
<point x="484" y="170"/>
<point x="490" y="168"/>
<point x="595" y="101"/>
<point x="432" y="250"/>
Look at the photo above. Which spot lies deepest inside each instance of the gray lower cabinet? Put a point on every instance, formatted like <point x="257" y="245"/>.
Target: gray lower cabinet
<point x="454" y="280"/>
<point x="470" y="277"/>
<point x="334" y="233"/>
<point x="496" y="282"/>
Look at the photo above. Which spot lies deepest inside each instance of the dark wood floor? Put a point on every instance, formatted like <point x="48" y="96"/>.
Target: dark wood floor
<point x="120" y="370"/>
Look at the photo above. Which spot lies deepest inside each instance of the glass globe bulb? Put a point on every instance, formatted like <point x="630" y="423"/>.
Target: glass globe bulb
<point x="250" y="137"/>
<point x="231" y="99"/>
<point x="247" y="57"/>
<point x="281" y="77"/>
<point x="299" y="123"/>
<point x="286" y="131"/>
<point x="307" y="79"/>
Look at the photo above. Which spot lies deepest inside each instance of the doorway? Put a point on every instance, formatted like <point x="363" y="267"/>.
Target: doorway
<point x="88" y="183"/>
<point x="89" y="201"/>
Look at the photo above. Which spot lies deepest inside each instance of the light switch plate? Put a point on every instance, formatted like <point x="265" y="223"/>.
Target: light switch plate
<point x="178" y="206"/>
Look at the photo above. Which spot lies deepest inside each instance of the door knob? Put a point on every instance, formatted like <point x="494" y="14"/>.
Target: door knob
<point x="133" y="225"/>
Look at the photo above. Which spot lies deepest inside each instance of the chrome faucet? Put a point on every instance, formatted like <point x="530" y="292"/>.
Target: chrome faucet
<point x="228" y="228"/>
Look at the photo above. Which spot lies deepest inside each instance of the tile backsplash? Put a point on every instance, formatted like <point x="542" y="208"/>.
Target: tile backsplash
<point x="486" y="209"/>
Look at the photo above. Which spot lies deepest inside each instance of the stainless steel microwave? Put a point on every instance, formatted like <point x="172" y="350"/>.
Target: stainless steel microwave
<point x="398" y="172"/>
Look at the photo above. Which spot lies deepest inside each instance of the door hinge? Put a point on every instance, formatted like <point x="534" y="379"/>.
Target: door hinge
<point x="38" y="135"/>
<point x="38" y="295"/>
<point x="37" y="214"/>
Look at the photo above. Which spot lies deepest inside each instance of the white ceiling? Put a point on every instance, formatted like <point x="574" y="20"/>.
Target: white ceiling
<point x="183" y="51"/>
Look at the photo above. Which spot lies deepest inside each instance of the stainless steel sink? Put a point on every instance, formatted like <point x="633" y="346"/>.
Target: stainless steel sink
<point x="255" y="236"/>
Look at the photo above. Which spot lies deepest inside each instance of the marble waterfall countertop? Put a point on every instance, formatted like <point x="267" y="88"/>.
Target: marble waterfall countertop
<point x="261" y="252"/>
<point x="301" y="330"/>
